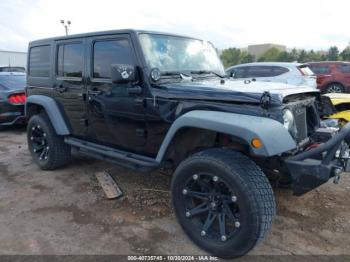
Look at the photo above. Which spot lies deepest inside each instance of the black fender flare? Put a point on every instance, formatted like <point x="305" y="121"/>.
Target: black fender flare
<point x="51" y="108"/>
<point x="275" y="137"/>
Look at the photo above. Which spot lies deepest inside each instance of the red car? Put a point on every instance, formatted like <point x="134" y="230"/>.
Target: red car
<point x="332" y="77"/>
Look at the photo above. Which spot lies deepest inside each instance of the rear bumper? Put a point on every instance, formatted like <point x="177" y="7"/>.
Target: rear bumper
<point x="11" y="114"/>
<point x="314" y="167"/>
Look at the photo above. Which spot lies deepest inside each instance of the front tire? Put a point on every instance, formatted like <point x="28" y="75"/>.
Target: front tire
<point x="48" y="150"/>
<point x="223" y="201"/>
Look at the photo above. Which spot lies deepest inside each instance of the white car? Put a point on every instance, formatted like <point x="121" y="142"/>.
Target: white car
<point x="288" y="73"/>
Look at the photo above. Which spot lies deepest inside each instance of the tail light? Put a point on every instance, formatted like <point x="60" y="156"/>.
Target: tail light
<point x="17" y="99"/>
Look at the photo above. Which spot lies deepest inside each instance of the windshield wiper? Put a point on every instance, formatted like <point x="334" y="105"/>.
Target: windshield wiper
<point x="174" y="73"/>
<point x="183" y="75"/>
<point x="207" y="72"/>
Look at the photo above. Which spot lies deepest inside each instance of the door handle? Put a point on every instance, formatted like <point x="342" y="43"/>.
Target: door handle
<point x="95" y="92"/>
<point x="61" y="88"/>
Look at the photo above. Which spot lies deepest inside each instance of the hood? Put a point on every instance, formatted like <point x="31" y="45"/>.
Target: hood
<point x="231" y="90"/>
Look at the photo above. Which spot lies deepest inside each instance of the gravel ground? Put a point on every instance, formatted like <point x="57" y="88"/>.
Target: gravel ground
<point x="65" y="212"/>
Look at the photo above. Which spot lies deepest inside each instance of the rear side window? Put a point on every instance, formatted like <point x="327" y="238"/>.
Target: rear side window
<point x="259" y="71"/>
<point x="344" y="68"/>
<point x="279" y="70"/>
<point x="320" y="69"/>
<point x="110" y="52"/>
<point x="70" y="60"/>
<point x="39" y="61"/>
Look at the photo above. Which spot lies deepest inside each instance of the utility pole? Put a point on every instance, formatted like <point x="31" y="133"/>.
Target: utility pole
<point x="66" y="25"/>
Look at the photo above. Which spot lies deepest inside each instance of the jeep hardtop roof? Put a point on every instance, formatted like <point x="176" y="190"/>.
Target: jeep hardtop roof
<point x="98" y="33"/>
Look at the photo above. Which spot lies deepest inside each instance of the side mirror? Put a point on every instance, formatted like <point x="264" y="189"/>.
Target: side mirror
<point x="123" y="73"/>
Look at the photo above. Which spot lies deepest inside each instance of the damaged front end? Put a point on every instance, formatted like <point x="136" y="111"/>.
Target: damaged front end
<point x="326" y="158"/>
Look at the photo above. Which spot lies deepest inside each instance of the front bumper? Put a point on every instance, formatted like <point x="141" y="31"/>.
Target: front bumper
<point x="316" y="166"/>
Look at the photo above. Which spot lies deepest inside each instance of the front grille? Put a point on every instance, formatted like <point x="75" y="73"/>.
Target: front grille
<point x="300" y="123"/>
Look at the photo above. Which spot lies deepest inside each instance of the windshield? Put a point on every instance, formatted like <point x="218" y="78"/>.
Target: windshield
<point x="179" y="54"/>
<point x="13" y="81"/>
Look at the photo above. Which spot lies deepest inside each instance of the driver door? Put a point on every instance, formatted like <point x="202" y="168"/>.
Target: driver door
<point x="115" y="116"/>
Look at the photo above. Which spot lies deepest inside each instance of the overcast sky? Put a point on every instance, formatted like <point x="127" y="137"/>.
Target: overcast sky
<point x="305" y="24"/>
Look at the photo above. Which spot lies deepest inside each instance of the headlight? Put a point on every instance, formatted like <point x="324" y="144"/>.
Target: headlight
<point x="288" y="119"/>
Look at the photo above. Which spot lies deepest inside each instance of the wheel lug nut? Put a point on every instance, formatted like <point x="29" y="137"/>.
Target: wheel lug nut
<point x="188" y="214"/>
<point x="237" y="224"/>
<point x="31" y="138"/>
<point x="184" y="192"/>
<point x="234" y="198"/>
<point x="203" y="233"/>
<point x="44" y="134"/>
<point x="212" y="204"/>
<point x="215" y="178"/>
<point x="33" y="128"/>
<point x="223" y="238"/>
<point x="195" y="177"/>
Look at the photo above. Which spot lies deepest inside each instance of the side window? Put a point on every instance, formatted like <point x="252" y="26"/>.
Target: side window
<point x="39" y="61"/>
<point x="344" y="68"/>
<point x="320" y="69"/>
<point x="108" y="52"/>
<point x="70" y="60"/>
<point x="239" y="72"/>
<point x="279" y="70"/>
<point x="259" y="71"/>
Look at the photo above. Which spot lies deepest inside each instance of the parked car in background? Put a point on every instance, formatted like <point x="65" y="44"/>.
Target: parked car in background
<point x="341" y="103"/>
<point x="12" y="98"/>
<point x="7" y="68"/>
<point x="332" y="77"/>
<point x="288" y="73"/>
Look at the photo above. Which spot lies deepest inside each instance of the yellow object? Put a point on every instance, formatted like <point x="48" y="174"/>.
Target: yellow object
<point x="339" y="99"/>
<point x="256" y="142"/>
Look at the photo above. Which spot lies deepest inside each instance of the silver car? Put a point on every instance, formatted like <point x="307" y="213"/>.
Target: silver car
<point x="289" y="73"/>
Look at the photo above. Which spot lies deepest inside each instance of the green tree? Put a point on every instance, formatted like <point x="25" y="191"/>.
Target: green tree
<point x="245" y="57"/>
<point x="333" y="53"/>
<point x="230" y="56"/>
<point x="284" y="57"/>
<point x="345" y="54"/>
<point x="303" y="56"/>
<point x="270" y="55"/>
<point x="294" y="55"/>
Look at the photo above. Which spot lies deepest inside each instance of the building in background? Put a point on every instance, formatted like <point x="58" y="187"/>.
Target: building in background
<point x="258" y="50"/>
<point x="13" y="58"/>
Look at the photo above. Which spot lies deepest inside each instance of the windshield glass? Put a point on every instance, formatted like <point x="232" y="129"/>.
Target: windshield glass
<point x="13" y="81"/>
<point x="180" y="54"/>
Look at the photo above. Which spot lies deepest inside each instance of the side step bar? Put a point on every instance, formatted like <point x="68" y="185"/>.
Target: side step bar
<point x="110" y="154"/>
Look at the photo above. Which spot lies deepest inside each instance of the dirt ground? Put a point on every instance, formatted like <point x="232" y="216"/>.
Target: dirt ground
<point x="65" y="212"/>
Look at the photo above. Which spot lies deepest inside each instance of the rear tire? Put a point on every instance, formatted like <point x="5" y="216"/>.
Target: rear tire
<point x="48" y="150"/>
<point x="232" y="196"/>
<point x="335" y="88"/>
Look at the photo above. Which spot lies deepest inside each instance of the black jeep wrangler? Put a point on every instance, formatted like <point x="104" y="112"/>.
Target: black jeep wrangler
<point x="150" y="100"/>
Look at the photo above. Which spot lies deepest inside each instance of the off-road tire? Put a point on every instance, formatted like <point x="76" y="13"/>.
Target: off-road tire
<point x="59" y="153"/>
<point x="255" y="199"/>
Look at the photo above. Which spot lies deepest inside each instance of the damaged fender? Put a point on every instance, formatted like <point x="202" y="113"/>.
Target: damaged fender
<point x="246" y="127"/>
